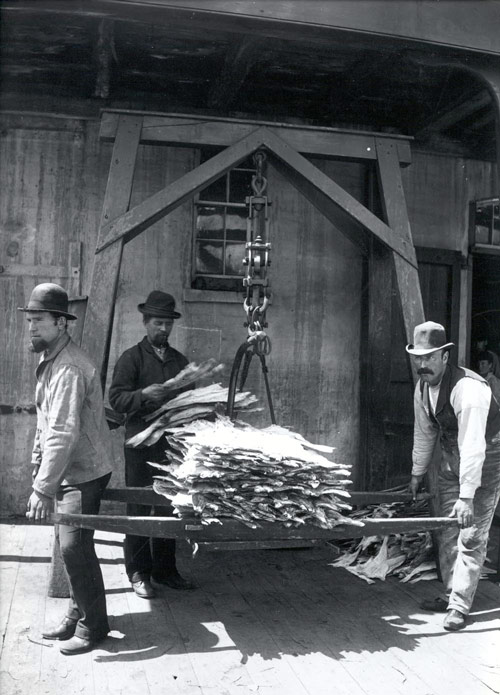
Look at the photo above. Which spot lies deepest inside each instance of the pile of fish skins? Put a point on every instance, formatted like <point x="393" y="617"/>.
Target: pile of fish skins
<point x="225" y="469"/>
<point x="407" y="556"/>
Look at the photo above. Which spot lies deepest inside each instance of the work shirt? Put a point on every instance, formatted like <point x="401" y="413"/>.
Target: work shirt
<point x="494" y="383"/>
<point x="463" y="452"/>
<point x="72" y="443"/>
<point x="139" y="367"/>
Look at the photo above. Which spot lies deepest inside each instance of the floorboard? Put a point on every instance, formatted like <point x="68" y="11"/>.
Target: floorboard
<point x="270" y="622"/>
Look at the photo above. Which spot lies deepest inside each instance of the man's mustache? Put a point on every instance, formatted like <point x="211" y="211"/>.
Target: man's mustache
<point x="423" y="370"/>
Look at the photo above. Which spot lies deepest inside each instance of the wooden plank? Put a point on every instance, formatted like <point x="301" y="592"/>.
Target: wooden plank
<point x="333" y="201"/>
<point x="238" y="62"/>
<point x="22" y="650"/>
<point x="259" y="637"/>
<point x="448" y="117"/>
<point x="143" y="215"/>
<point x="100" y="306"/>
<point x="146" y="495"/>
<point x="196" y="131"/>
<point x="302" y="629"/>
<point x="170" y="527"/>
<point x="394" y="206"/>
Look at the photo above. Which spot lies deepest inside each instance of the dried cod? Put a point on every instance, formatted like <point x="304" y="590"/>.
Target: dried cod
<point x="233" y="470"/>
<point x="409" y="557"/>
<point x="189" y="406"/>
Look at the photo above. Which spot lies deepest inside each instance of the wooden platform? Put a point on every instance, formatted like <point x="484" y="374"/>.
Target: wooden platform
<point x="269" y="622"/>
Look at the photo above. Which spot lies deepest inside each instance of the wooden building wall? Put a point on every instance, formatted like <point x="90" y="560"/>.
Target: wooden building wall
<point x="53" y="177"/>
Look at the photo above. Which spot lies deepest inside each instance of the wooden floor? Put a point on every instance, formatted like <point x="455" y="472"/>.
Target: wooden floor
<point x="277" y="622"/>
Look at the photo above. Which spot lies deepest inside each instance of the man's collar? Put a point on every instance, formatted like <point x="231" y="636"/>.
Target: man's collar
<point x="56" y="348"/>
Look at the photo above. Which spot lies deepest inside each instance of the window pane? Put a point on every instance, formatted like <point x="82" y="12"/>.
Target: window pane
<point x="216" y="190"/>
<point x="209" y="222"/>
<point x="236" y="225"/>
<point x="240" y="185"/>
<point x="235" y="253"/>
<point x="209" y="258"/>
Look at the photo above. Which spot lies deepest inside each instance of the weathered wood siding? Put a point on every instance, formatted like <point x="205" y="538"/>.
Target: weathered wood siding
<point x="53" y="176"/>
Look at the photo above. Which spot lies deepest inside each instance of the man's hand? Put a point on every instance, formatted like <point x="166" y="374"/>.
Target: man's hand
<point x="463" y="509"/>
<point x="155" y="392"/>
<point x="39" y="507"/>
<point x="414" y="485"/>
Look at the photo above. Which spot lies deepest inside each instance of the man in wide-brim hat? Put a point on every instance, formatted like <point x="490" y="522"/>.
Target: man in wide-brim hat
<point x="137" y="390"/>
<point x="456" y="405"/>
<point x="72" y="461"/>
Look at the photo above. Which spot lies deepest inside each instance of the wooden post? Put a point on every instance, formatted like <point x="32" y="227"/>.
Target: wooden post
<point x="98" y="321"/>
<point x="102" y="295"/>
<point x="407" y="279"/>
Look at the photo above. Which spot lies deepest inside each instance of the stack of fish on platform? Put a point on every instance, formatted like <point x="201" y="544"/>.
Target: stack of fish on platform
<point x="409" y="556"/>
<point x="190" y="405"/>
<point x="226" y="469"/>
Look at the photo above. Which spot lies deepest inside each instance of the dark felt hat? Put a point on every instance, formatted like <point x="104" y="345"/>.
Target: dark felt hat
<point x="428" y="337"/>
<point x="49" y="297"/>
<point x="159" y="304"/>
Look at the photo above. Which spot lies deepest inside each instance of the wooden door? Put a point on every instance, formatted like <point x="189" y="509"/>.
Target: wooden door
<point x="389" y="402"/>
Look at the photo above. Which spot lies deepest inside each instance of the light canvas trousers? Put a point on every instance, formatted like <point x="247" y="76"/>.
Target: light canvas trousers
<point x="462" y="552"/>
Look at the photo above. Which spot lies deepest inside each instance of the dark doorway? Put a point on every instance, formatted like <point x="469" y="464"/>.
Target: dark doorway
<point x="485" y="305"/>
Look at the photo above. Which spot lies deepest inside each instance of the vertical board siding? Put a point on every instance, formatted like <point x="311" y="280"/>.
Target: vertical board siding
<point x="53" y="173"/>
<point x="438" y="190"/>
<point x="53" y="178"/>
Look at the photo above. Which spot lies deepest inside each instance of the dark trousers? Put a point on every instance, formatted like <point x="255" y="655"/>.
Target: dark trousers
<point x="87" y="603"/>
<point x="146" y="557"/>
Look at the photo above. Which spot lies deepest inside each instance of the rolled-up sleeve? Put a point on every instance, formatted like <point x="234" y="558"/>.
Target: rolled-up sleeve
<point x="66" y="395"/>
<point x="424" y="436"/>
<point x="124" y="396"/>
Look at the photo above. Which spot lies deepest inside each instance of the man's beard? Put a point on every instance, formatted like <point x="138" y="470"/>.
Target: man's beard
<point x="160" y="341"/>
<point x="38" y="345"/>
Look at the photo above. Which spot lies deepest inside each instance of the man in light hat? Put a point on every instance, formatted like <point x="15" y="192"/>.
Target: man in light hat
<point x="137" y="390"/>
<point x="455" y="404"/>
<point x="72" y="461"/>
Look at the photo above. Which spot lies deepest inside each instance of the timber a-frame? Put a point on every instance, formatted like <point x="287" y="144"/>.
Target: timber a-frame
<point x="287" y="147"/>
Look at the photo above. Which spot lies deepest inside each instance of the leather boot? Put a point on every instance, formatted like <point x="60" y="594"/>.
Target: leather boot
<point x="65" y="630"/>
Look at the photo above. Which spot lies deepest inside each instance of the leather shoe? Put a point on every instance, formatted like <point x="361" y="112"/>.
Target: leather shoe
<point x="143" y="589"/>
<point x="435" y="605"/>
<point x="455" y="620"/>
<point x="65" y="630"/>
<point x="174" y="581"/>
<point x="79" y="645"/>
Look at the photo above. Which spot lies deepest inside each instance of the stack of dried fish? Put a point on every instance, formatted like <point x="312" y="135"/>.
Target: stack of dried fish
<point x="223" y="469"/>
<point x="188" y="407"/>
<point x="409" y="556"/>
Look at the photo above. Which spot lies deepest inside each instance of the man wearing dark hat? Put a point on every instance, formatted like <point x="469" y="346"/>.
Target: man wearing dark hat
<point x="72" y="461"/>
<point x="455" y="405"/>
<point x="137" y="390"/>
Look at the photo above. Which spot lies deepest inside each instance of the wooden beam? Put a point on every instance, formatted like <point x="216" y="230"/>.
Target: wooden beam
<point x="449" y="117"/>
<point x="334" y="202"/>
<point x="238" y="62"/>
<point x="198" y="131"/>
<point x="132" y="223"/>
<point x="229" y="530"/>
<point x="102" y="295"/>
<point x="394" y="207"/>
<point x="350" y="216"/>
<point x="104" y="51"/>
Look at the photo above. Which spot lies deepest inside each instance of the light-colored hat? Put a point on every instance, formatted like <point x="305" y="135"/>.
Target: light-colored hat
<point x="428" y="337"/>
<point x="49" y="297"/>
